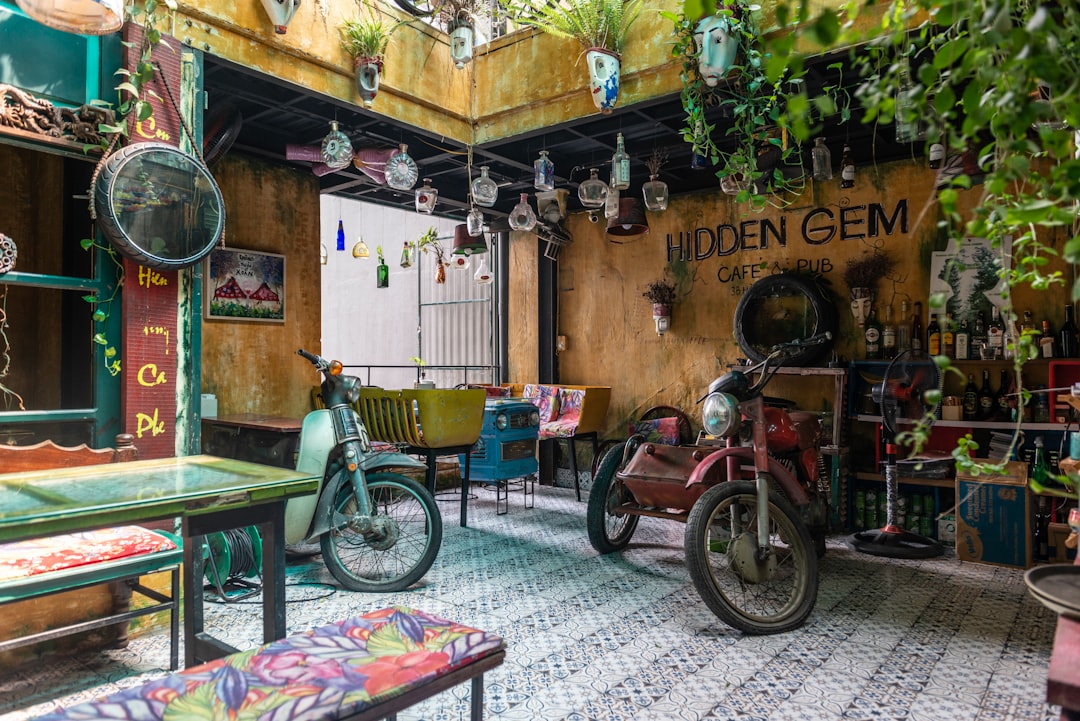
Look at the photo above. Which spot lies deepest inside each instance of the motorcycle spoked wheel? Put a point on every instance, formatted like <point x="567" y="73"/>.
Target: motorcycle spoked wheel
<point x="609" y="532"/>
<point x="757" y="597"/>
<point x="407" y="540"/>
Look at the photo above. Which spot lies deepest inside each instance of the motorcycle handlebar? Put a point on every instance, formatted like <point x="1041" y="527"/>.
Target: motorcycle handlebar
<point x="812" y="340"/>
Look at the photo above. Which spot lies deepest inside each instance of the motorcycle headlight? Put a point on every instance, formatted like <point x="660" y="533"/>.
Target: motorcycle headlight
<point x="501" y="421"/>
<point x="720" y="415"/>
<point x="534" y="418"/>
<point x="352" y="388"/>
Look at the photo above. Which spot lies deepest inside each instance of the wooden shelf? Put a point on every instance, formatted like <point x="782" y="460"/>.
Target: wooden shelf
<point x="908" y="481"/>
<point x="993" y="425"/>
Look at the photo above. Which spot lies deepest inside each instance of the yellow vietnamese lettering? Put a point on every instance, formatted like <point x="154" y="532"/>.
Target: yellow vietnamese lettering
<point x="149" y="278"/>
<point x="158" y="330"/>
<point x="148" y="129"/>
<point x="150" y="376"/>
<point x="151" y="424"/>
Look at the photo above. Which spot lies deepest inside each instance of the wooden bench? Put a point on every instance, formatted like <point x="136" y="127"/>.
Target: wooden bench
<point x="364" y="668"/>
<point x="567" y="412"/>
<point x="46" y="567"/>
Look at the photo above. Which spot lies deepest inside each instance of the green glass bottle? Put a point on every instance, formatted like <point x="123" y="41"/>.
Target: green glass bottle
<point x="382" y="276"/>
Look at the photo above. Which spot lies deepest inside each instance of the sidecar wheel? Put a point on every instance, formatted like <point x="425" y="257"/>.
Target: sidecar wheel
<point x="609" y="532"/>
<point x="407" y="538"/>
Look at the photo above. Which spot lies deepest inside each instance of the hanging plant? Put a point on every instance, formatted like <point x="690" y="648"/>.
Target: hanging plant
<point x="430" y="241"/>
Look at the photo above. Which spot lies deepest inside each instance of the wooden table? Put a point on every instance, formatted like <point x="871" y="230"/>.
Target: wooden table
<point x="209" y="494"/>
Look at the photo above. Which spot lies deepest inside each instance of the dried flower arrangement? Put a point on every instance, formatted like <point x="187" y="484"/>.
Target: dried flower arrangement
<point x="660" y="292"/>
<point x="867" y="270"/>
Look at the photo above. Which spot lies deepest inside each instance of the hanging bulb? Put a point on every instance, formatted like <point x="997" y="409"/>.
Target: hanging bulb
<point x="323" y="255"/>
<point x="483" y="276"/>
<point x="340" y="235"/>
<point x="360" y="250"/>
<point x="336" y="149"/>
<point x="522" y="216"/>
<point x="426" y="197"/>
<point x="474" y="222"/>
<point x="543" y="172"/>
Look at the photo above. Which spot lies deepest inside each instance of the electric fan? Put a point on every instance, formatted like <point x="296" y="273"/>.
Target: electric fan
<point x="907" y="379"/>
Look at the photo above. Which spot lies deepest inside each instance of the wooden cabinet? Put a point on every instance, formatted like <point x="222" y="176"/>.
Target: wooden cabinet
<point x="271" y="440"/>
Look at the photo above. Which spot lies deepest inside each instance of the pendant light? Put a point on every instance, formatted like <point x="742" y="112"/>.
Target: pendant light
<point x="630" y="219"/>
<point x="522" y="216"/>
<point x="465" y="244"/>
<point x="336" y="148"/>
<point x="82" y="17"/>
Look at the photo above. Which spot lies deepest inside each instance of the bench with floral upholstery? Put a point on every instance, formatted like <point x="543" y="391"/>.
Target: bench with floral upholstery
<point x="567" y="412"/>
<point x="367" y="667"/>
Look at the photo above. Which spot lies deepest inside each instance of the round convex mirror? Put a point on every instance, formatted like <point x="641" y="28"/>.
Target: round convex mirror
<point x="159" y="206"/>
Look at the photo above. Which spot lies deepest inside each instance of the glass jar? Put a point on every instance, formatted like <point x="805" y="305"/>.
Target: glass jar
<point x="543" y="172"/>
<point x="483" y="275"/>
<point x="474" y="222"/>
<point x="656" y="194"/>
<point x="592" y="192"/>
<point x="522" y="216"/>
<point x="484" y="190"/>
<point x="401" y="170"/>
<point x="426" y="197"/>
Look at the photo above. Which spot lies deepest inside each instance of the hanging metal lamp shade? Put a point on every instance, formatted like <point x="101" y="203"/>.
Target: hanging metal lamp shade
<point x="630" y="220"/>
<point x="82" y="17"/>
<point x="465" y="244"/>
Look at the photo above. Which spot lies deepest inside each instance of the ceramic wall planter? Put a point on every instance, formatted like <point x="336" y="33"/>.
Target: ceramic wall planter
<point x="716" y="48"/>
<point x="603" y="78"/>
<point x="368" y="71"/>
<point x="281" y="13"/>
<point x="661" y="314"/>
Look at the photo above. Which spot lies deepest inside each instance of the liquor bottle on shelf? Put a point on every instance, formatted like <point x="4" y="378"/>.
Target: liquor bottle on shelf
<point x="995" y="334"/>
<point x="1040" y="400"/>
<point x="978" y="338"/>
<point x="872" y="335"/>
<point x="971" y="399"/>
<point x="1067" y="335"/>
<point x="933" y="336"/>
<point x="948" y="337"/>
<point x="1004" y="402"/>
<point x="986" y="397"/>
<point x="916" y="328"/>
<point x="963" y="341"/>
<point x="888" y="335"/>
<point x="1046" y="341"/>
<point x="1040" y="464"/>
<point x="1040" y="532"/>
<point x="903" y="329"/>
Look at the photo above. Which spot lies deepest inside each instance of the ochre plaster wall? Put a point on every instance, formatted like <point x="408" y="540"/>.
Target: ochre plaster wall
<point x="252" y="367"/>
<point x="611" y="339"/>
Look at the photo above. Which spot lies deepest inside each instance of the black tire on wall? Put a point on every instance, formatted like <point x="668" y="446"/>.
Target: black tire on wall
<point x="783" y="308"/>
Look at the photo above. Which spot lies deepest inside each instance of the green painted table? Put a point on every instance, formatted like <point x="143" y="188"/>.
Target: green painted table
<point x="209" y="494"/>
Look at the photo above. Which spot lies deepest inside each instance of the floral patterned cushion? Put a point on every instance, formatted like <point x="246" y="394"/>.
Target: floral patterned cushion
<point x="333" y="671"/>
<point x="570" y="401"/>
<point x="56" y="553"/>
<point x="658" y="430"/>
<point x="562" y="428"/>
<point x="545" y="398"/>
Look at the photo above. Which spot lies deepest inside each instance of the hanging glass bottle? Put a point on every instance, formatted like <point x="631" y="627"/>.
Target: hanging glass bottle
<point x="426" y="197"/>
<point x="340" y="235"/>
<point x="483" y="275"/>
<point x="611" y="203"/>
<point x="336" y="149"/>
<point x="935" y="155"/>
<point x="401" y="170"/>
<point x="656" y="194"/>
<point x="484" y="190"/>
<point x="406" y="255"/>
<point x="543" y="172"/>
<point x="360" y="250"/>
<point x="593" y="191"/>
<point x="847" y="169"/>
<point x="822" y="158"/>
<point x="620" y="166"/>
<point x="474" y="222"/>
<point x="522" y="216"/>
<point x="905" y="120"/>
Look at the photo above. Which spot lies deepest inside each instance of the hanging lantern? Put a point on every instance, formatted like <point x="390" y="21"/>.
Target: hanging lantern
<point x="281" y="13"/>
<point x="426" y="197"/>
<point x="630" y="219"/>
<point x="82" y="17"/>
<point x="522" y="216"/>
<point x="336" y="148"/>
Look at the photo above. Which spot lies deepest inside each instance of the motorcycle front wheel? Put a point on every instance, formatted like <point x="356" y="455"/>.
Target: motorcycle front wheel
<point x="755" y="595"/>
<point x="407" y="533"/>
<point x="609" y="532"/>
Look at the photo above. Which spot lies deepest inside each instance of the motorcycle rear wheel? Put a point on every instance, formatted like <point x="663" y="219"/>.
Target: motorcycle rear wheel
<point x="609" y="532"/>
<point x="396" y="559"/>
<point x="756" y="597"/>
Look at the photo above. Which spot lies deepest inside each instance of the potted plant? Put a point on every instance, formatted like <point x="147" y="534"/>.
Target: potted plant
<point x="862" y="275"/>
<point x="600" y="26"/>
<point x="661" y="294"/>
<point x="365" y="38"/>
<point x="430" y="241"/>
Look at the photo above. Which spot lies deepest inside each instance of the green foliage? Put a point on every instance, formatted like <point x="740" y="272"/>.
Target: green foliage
<point x="367" y="35"/>
<point x="593" y="23"/>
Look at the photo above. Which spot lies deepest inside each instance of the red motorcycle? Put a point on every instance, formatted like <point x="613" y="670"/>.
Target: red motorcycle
<point x="748" y="491"/>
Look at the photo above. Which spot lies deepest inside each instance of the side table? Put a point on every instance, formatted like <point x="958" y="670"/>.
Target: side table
<point x="271" y="440"/>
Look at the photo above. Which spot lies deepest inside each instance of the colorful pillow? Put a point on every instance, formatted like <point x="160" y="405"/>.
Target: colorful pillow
<point x="545" y="398"/>
<point x="570" y="401"/>
<point x="20" y="559"/>
<point x="658" y="430"/>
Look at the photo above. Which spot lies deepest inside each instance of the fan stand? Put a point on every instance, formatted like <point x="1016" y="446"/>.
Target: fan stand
<point x="891" y="541"/>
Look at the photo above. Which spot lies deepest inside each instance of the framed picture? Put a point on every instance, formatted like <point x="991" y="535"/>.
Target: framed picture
<point x="244" y="285"/>
<point x="968" y="275"/>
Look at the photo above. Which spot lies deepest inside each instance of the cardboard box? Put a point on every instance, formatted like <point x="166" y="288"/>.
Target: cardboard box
<point x="993" y="519"/>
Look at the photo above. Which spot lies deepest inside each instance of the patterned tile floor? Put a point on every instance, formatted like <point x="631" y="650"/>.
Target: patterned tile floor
<point x="626" y="635"/>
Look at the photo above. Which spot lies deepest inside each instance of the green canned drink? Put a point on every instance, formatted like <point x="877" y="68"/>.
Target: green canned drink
<point x="859" y="516"/>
